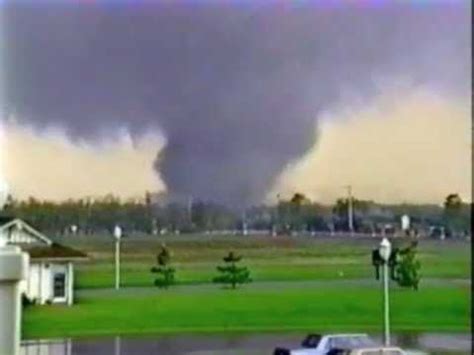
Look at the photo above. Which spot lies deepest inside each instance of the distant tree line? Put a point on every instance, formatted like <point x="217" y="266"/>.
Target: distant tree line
<point x="293" y="215"/>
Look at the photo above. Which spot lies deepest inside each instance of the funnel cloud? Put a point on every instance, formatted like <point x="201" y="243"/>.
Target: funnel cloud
<point x="235" y="89"/>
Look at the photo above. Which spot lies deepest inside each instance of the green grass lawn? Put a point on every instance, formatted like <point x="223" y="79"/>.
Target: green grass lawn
<point x="288" y="307"/>
<point x="269" y="259"/>
<point x="305" y="284"/>
<point x="138" y="274"/>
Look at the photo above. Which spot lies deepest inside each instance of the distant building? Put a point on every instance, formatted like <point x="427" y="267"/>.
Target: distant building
<point x="405" y="222"/>
<point x="51" y="272"/>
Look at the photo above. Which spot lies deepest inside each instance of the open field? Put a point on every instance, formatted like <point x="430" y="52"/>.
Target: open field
<point x="299" y="284"/>
<point x="270" y="259"/>
<point x="198" y="309"/>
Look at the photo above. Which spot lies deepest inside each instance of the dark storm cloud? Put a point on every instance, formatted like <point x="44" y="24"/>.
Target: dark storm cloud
<point x="235" y="89"/>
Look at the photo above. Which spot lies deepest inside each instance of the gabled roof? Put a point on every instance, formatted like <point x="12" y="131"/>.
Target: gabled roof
<point x="54" y="251"/>
<point x="45" y="249"/>
<point x="9" y="222"/>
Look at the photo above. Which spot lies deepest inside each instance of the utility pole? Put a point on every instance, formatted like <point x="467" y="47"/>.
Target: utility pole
<point x="350" y="212"/>
<point x="88" y="224"/>
<point x="190" y="210"/>
<point x="149" y="216"/>
<point x="244" y="223"/>
<point x="277" y="222"/>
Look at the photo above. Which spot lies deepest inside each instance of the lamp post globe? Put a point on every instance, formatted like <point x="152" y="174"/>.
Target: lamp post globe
<point x="117" y="232"/>
<point x="385" y="249"/>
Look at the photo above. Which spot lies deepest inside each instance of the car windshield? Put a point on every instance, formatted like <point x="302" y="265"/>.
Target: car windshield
<point x="311" y="341"/>
<point x="351" y="342"/>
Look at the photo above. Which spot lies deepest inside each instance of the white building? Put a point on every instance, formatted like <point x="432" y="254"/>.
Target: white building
<point x="51" y="272"/>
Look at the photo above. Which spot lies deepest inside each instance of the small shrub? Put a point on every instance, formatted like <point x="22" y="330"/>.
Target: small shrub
<point x="407" y="269"/>
<point x="26" y="301"/>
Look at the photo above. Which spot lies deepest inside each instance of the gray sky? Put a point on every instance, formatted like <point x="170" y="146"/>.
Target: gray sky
<point x="236" y="90"/>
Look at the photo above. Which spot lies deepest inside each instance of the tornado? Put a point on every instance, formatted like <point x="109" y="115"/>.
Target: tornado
<point x="236" y="88"/>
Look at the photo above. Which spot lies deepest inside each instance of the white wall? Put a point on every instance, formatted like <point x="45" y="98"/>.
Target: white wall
<point x="39" y="285"/>
<point x="3" y="235"/>
<point x="15" y="235"/>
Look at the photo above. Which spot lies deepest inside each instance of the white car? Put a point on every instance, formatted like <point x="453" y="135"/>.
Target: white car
<point x="376" y="351"/>
<point x="315" y="344"/>
<point x="372" y="351"/>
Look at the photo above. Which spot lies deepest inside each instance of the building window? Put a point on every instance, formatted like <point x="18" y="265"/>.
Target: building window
<point x="59" y="285"/>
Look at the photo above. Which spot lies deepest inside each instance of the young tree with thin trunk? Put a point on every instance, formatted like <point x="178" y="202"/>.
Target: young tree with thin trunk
<point x="230" y="273"/>
<point x="164" y="269"/>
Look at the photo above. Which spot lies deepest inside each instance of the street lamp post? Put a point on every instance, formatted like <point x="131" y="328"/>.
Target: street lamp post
<point x="385" y="250"/>
<point x="117" y="346"/>
<point x="117" y="236"/>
